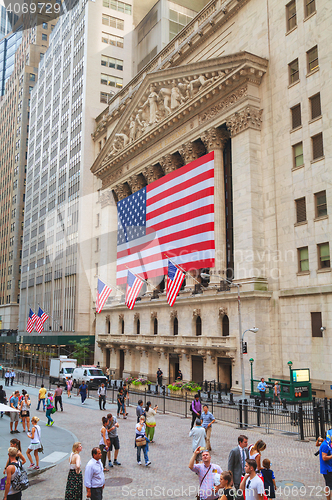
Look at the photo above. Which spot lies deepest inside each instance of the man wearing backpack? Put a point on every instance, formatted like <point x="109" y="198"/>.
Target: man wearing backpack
<point x="15" y="477"/>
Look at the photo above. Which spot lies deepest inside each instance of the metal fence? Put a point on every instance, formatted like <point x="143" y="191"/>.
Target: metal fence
<point x="304" y="420"/>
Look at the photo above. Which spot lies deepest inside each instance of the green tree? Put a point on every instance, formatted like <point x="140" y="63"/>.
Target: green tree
<point x="82" y="350"/>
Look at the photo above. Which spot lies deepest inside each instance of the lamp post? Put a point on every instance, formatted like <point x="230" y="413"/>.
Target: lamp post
<point x="251" y="361"/>
<point x="253" y="330"/>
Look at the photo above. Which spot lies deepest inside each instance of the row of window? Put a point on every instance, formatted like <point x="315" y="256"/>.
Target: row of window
<point x="117" y="5"/>
<point x="112" y="62"/>
<point x="117" y="41"/>
<point x="323" y="257"/>
<point x="316" y="147"/>
<point x="291" y="17"/>
<point x="320" y="207"/>
<point x="112" y="81"/>
<point x="113" y="22"/>
<point x="312" y="65"/>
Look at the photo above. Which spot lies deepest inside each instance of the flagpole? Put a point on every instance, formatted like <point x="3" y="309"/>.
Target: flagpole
<point x="142" y="279"/>
<point x="181" y="269"/>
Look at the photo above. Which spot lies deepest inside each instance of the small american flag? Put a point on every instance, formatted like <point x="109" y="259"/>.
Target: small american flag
<point x="103" y="292"/>
<point x="134" y="285"/>
<point x="40" y="320"/>
<point x="175" y="279"/>
<point x="31" y="321"/>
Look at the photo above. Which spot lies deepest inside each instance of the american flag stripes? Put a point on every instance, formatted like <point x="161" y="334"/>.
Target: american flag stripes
<point x="175" y="279"/>
<point x="173" y="215"/>
<point x="134" y="285"/>
<point x="40" y="320"/>
<point x="31" y="321"/>
<point x="103" y="292"/>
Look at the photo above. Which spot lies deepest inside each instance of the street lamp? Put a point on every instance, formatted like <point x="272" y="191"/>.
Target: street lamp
<point x="251" y="361"/>
<point x="253" y="330"/>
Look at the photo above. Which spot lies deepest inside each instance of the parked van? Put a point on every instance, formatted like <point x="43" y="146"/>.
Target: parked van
<point x="90" y="374"/>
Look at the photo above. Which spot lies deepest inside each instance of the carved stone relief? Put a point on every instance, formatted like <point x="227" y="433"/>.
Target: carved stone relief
<point x="152" y="173"/>
<point x="153" y="314"/>
<point x="136" y="316"/>
<point x="106" y="198"/>
<point x="169" y="163"/>
<point x="173" y="314"/>
<point x="121" y="317"/>
<point x="215" y="138"/>
<point x="196" y="312"/>
<point x="222" y="311"/>
<point x="136" y="182"/>
<point x="249" y="117"/>
<point x="190" y="151"/>
<point x="225" y="103"/>
<point x="122" y="191"/>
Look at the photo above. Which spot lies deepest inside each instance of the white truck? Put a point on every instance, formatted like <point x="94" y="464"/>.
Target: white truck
<point x="61" y="369"/>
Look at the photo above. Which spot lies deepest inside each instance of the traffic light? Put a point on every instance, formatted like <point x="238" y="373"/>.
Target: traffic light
<point x="244" y="348"/>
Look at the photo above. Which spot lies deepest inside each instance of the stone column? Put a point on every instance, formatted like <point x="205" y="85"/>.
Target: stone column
<point x="107" y="233"/>
<point x="248" y="221"/>
<point x="215" y="140"/>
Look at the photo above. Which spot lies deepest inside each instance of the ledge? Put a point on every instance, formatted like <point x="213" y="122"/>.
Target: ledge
<point x="324" y="270"/>
<point x="294" y="83"/>
<point x="303" y="273"/>
<point x="295" y="129"/>
<point x="291" y="31"/>
<point x="312" y="290"/>
<point x="300" y="223"/>
<point x="312" y="72"/>
<point x="322" y="217"/>
<point x="317" y="159"/>
<point x="297" y="168"/>
<point x="315" y="119"/>
<point x="309" y="17"/>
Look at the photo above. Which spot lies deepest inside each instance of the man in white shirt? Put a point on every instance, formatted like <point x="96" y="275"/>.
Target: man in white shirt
<point x="251" y="483"/>
<point x="102" y="396"/>
<point x="94" y="478"/>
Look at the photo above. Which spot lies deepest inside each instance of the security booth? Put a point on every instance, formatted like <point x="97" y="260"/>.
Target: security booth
<point x="296" y="389"/>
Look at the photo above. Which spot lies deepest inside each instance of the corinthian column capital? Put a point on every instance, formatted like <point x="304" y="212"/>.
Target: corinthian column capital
<point x="215" y="138"/>
<point x="136" y="182"/>
<point x="152" y="173"/>
<point x="122" y="191"/>
<point x="190" y="151"/>
<point x="169" y="163"/>
<point x="249" y="117"/>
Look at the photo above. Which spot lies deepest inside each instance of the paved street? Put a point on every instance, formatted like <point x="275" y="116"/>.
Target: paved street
<point x="168" y="476"/>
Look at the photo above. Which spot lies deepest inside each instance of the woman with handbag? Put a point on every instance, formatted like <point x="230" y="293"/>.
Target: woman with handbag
<point x="35" y="444"/>
<point x="142" y="442"/>
<point x="24" y="410"/>
<point x="74" y="487"/>
<point x="49" y="409"/>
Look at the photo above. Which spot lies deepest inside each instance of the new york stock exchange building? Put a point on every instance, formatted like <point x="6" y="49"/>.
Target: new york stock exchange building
<point x="244" y="88"/>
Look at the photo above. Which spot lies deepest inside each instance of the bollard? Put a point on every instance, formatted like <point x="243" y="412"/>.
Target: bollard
<point x="219" y="387"/>
<point x="226" y="389"/>
<point x="284" y="405"/>
<point x="219" y="401"/>
<point x="149" y="389"/>
<point x="245" y="412"/>
<point x="208" y="397"/>
<point x="301" y="422"/>
<point x="156" y="389"/>
<point x="214" y="386"/>
<point x="205" y="386"/>
<point x="164" y="399"/>
<point x="240" y="413"/>
<point x="231" y="398"/>
<point x="115" y="385"/>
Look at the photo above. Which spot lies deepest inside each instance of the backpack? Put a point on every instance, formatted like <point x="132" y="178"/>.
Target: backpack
<point x="20" y="481"/>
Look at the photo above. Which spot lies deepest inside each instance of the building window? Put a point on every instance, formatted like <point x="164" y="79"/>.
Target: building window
<point x="198" y="326"/>
<point x="312" y="59"/>
<point x="138" y="327"/>
<point x="320" y="204"/>
<point x="293" y="69"/>
<point x="117" y="41"/>
<point x="117" y="5"/>
<point x="291" y="15"/>
<point x="32" y="77"/>
<point x="316" y="324"/>
<point x="317" y="146"/>
<point x="301" y="212"/>
<point x="104" y="97"/>
<point x="315" y="106"/>
<point x="175" y="326"/>
<point x="298" y="154"/>
<point x="303" y="256"/>
<point x="41" y="56"/>
<point x="44" y="26"/>
<point x="112" y="81"/>
<point x="113" y="22"/>
<point x="122" y="326"/>
<point x="225" y="326"/>
<point x="323" y="256"/>
<point x="177" y="20"/>
<point x="296" y="116"/>
<point x="111" y="62"/>
<point x="309" y="7"/>
<point x="44" y="37"/>
<point x="155" y="326"/>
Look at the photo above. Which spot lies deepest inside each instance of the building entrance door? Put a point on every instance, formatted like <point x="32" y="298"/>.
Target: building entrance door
<point x="225" y="372"/>
<point x="197" y="369"/>
<point x="121" y="363"/>
<point x="173" y="367"/>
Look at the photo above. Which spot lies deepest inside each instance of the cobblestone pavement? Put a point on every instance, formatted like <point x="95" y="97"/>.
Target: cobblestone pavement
<point x="168" y="476"/>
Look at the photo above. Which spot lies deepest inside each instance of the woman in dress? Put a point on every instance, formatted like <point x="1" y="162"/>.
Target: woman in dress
<point x="74" y="488"/>
<point x="255" y="452"/>
<point x="35" y="443"/>
<point x="103" y="445"/>
<point x="25" y="410"/>
<point x="69" y="386"/>
<point x="140" y="434"/>
<point x="49" y="408"/>
<point x="150" y="420"/>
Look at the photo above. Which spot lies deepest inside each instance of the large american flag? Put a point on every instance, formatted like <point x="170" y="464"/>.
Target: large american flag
<point x="134" y="285"/>
<point x="171" y="217"/>
<point x="103" y="292"/>
<point x="31" y="321"/>
<point x="175" y="279"/>
<point x="40" y="320"/>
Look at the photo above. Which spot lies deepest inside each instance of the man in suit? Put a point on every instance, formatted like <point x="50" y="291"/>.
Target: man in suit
<point x="237" y="460"/>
